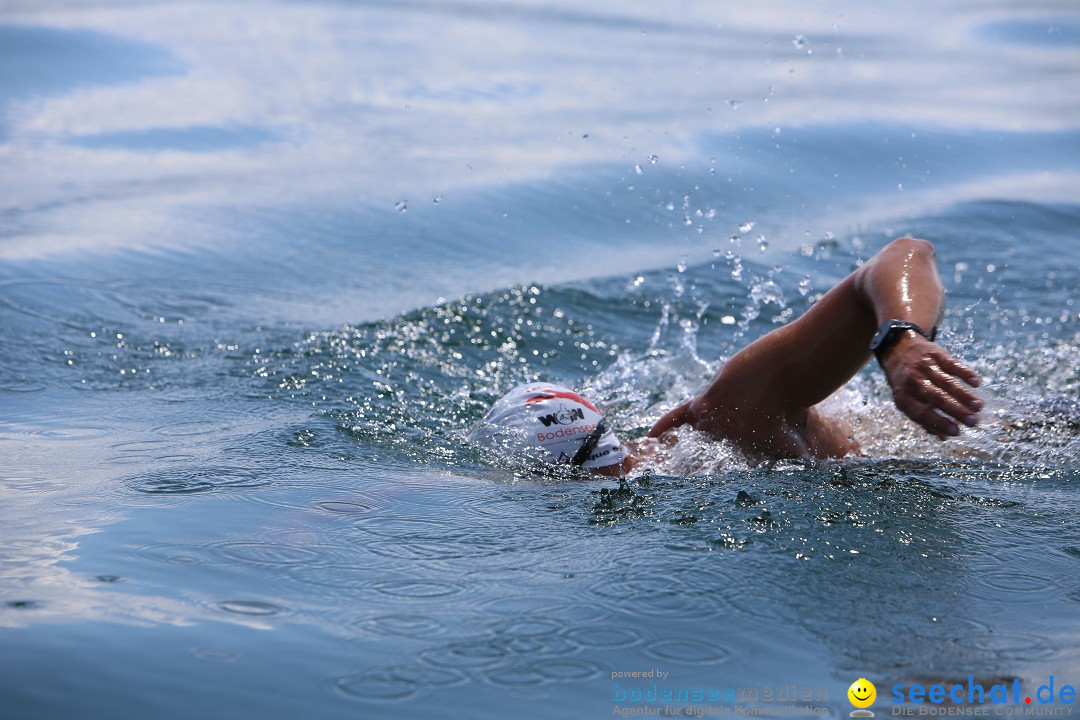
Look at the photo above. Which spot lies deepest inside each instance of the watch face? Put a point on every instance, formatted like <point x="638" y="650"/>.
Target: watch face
<point x="886" y="330"/>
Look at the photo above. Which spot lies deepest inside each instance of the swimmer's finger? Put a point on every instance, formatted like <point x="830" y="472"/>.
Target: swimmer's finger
<point x="947" y="405"/>
<point x="932" y="421"/>
<point x="917" y="397"/>
<point x="951" y="397"/>
<point x="958" y="369"/>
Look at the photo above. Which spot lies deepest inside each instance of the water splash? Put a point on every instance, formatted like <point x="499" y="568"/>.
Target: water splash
<point x="416" y="383"/>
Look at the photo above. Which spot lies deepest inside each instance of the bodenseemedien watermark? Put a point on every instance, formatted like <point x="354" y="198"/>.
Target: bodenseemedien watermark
<point x="649" y="692"/>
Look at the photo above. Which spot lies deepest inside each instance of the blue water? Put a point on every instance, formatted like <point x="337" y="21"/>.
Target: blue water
<point x="263" y="265"/>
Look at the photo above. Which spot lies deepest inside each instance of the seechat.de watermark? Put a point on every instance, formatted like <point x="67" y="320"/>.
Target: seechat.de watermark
<point x="1052" y="698"/>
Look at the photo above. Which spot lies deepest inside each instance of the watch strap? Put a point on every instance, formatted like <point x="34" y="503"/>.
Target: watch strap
<point x="889" y="333"/>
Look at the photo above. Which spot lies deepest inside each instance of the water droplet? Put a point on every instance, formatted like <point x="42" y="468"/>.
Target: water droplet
<point x="734" y="104"/>
<point x="637" y="168"/>
<point x="799" y="41"/>
<point x="653" y="159"/>
<point x="670" y="205"/>
<point x="687" y="220"/>
<point x="899" y="186"/>
<point x="681" y="267"/>
<point x="438" y="199"/>
<point x="746" y="226"/>
<point x="804" y="286"/>
<point x="762" y="243"/>
<point x="401" y="206"/>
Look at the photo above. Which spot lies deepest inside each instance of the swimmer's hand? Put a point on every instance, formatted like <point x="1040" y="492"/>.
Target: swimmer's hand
<point x="930" y="386"/>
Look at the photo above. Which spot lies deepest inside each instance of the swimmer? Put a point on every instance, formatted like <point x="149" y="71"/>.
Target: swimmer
<point x="764" y="398"/>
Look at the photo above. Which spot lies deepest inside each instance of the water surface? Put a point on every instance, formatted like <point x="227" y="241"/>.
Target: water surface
<point x="262" y="266"/>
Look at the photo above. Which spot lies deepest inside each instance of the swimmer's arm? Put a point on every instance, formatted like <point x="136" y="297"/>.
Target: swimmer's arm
<point x="929" y="385"/>
<point x="784" y="373"/>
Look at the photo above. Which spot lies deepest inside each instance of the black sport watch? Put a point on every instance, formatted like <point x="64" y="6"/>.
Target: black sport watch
<point x="889" y="333"/>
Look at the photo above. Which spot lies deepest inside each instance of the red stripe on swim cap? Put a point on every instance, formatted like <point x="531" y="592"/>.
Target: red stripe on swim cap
<point x="565" y="394"/>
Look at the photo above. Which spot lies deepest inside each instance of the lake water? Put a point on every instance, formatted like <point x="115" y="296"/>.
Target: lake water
<point x="263" y="265"/>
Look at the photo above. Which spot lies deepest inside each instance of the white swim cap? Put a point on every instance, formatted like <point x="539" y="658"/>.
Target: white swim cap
<point x="549" y="422"/>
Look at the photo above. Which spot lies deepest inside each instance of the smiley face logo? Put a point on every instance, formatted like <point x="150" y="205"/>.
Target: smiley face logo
<point x="862" y="693"/>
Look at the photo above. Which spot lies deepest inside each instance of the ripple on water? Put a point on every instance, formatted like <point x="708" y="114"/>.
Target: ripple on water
<point x="375" y="685"/>
<point x="413" y="626"/>
<point x="140" y="452"/>
<point x="424" y="676"/>
<point x="516" y="676"/>
<point x="567" y="669"/>
<point x="215" y="655"/>
<point x="424" y="550"/>
<point x="88" y="432"/>
<point x="252" y="607"/>
<point x="272" y="554"/>
<point x="658" y="594"/>
<point x="349" y="580"/>
<point x="413" y="538"/>
<point x="1016" y="645"/>
<point x="394" y="527"/>
<point x="687" y="651"/>
<point x="512" y="570"/>
<point x="468" y="654"/>
<point x="956" y="629"/>
<point x="57" y="300"/>
<point x="529" y="627"/>
<point x="543" y="646"/>
<point x="144" y="460"/>
<point x="185" y="428"/>
<point x="344" y="507"/>
<point x="417" y="589"/>
<point x="186" y="482"/>
<point x="521" y="604"/>
<point x="1015" y="581"/>
<point x="605" y="636"/>
<point x="755" y="607"/>
<point x="142" y="447"/>
<point x="177" y="554"/>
